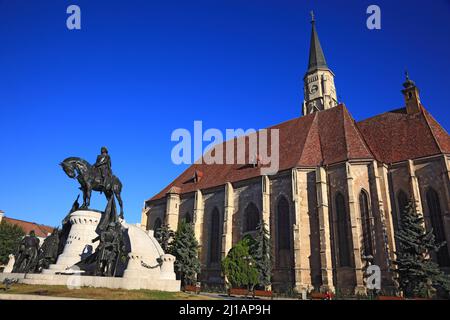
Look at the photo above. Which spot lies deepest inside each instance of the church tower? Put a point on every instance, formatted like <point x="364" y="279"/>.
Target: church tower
<point x="319" y="89"/>
<point x="411" y="94"/>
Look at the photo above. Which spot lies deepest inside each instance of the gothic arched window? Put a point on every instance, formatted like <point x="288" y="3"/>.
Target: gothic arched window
<point x="342" y="231"/>
<point x="402" y="203"/>
<point x="366" y="219"/>
<point x="284" y="224"/>
<point x="251" y="217"/>
<point x="214" y="237"/>
<point x="437" y="224"/>
<point x="157" y="224"/>
<point x="402" y="200"/>
<point x="188" y="217"/>
<point x="283" y="239"/>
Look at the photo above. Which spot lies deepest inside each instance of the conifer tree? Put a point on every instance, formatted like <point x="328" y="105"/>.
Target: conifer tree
<point x="239" y="266"/>
<point x="261" y="250"/>
<point x="164" y="235"/>
<point x="185" y="249"/>
<point x="10" y="236"/>
<point x="417" y="274"/>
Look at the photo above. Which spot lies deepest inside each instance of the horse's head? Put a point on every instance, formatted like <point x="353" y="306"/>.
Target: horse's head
<point x="73" y="165"/>
<point x="69" y="168"/>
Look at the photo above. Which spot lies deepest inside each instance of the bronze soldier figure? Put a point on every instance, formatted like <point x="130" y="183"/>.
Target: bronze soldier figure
<point x="48" y="253"/>
<point x="103" y="164"/>
<point x="108" y="250"/>
<point x="27" y="254"/>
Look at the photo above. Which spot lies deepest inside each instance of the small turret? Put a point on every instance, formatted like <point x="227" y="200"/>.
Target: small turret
<point x="411" y="94"/>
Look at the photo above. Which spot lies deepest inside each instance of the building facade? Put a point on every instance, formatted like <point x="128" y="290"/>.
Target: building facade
<point x="337" y="198"/>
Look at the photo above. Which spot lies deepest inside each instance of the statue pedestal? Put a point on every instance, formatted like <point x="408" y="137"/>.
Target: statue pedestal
<point x="148" y="266"/>
<point x="79" y="242"/>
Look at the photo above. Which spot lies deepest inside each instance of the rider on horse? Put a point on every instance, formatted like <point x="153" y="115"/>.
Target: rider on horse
<point x="103" y="165"/>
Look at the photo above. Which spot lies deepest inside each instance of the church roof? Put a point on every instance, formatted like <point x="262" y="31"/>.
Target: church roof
<point x="329" y="137"/>
<point x="396" y="136"/>
<point x="320" y="138"/>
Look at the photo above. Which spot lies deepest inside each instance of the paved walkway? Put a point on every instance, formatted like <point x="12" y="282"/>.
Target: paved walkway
<point x="7" y="296"/>
<point x="226" y="297"/>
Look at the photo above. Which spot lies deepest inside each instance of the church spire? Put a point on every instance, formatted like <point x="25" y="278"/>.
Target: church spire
<point x="316" y="56"/>
<point x="319" y="89"/>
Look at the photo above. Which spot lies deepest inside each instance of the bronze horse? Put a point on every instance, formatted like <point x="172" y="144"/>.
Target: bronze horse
<point x="89" y="180"/>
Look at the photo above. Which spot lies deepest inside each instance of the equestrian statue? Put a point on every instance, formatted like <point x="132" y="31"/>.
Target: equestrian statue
<point x="97" y="177"/>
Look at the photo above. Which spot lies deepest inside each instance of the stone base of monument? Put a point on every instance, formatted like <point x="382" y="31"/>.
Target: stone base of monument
<point x="148" y="266"/>
<point x="79" y="242"/>
<point x="78" y="281"/>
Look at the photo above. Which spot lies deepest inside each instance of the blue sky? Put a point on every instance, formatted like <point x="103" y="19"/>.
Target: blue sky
<point x="139" y="69"/>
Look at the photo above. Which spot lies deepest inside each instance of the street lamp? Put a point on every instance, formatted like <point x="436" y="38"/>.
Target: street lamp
<point x="248" y="259"/>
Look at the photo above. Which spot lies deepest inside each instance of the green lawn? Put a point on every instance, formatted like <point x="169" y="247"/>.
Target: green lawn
<point x="100" y="293"/>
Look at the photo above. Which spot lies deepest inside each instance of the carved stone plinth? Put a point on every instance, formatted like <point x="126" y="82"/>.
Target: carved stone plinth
<point x="79" y="242"/>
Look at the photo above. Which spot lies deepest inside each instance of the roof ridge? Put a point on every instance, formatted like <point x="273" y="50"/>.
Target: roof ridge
<point x="306" y="138"/>
<point x="172" y="182"/>
<point x="6" y="217"/>
<point x="347" y="150"/>
<point x="425" y="115"/>
<point x="383" y="113"/>
<point x="316" y="120"/>
<point x="29" y="225"/>
<point x="375" y="156"/>
<point x="354" y="125"/>
<point x="314" y="123"/>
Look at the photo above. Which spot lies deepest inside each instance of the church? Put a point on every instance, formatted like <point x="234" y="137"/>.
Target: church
<point x="337" y="198"/>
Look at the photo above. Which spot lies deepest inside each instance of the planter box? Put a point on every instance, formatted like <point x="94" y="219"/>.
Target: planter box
<point x="262" y="293"/>
<point x="320" y="296"/>
<point x="389" y="298"/>
<point x="195" y="289"/>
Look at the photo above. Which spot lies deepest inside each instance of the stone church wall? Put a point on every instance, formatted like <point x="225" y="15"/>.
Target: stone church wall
<point x="283" y="264"/>
<point x="186" y="207"/>
<point x="307" y="248"/>
<point x="344" y="277"/>
<point x="211" y="272"/>
<point x="300" y="266"/>
<point x="156" y="210"/>
<point x="244" y="194"/>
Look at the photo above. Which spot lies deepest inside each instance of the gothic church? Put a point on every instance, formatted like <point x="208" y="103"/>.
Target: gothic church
<point x="337" y="198"/>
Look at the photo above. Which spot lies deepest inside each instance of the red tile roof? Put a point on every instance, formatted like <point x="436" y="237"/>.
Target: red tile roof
<point x="397" y="136"/>
<point x="329" y="137"/>
<point x="40" y="230"/>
